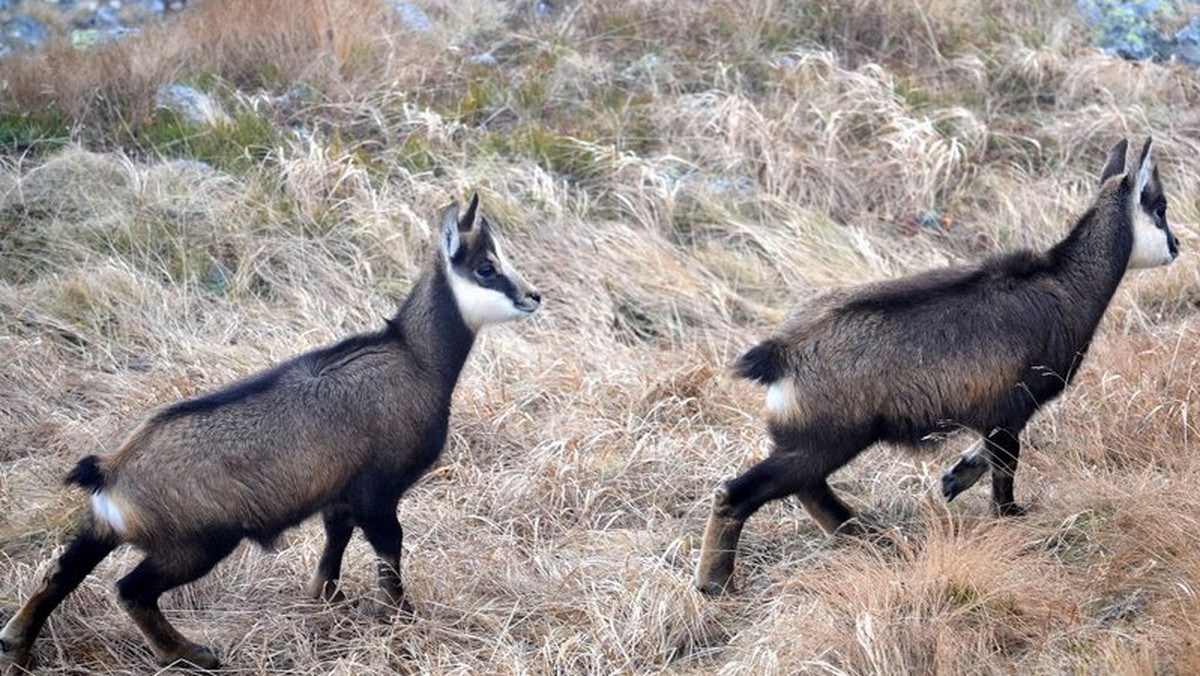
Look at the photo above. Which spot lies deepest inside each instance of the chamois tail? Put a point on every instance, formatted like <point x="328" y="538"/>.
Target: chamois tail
<point x="763" y="363"/>
<point x="87" y="474"/>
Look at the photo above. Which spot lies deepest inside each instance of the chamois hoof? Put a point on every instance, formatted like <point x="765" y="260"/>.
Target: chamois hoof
<point x="194" y="655"/>
<point x="325" y="590"/>
<point x="1011" y="509"/>
<point x="714" y="574"/>
<point x="385" y="611"/>
<point x="713" y="588"/>
<point x="14" y="657"/>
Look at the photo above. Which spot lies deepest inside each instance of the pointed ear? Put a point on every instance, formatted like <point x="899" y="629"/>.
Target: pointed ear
<point x="1145" y="171"/>
<point x="468" y="220"/>
<point x="1116" y="161"/>
<point x="449" y="240"/>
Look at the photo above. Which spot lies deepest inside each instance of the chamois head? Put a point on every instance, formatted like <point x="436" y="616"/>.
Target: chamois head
<point x="1153" y="242"/>
<point x="487" y="288"/>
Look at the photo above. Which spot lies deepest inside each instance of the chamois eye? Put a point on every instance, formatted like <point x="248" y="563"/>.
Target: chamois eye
<point x="486" y="271"/>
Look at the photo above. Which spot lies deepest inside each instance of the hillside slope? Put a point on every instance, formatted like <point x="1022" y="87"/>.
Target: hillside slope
<point x="672" y="175"/>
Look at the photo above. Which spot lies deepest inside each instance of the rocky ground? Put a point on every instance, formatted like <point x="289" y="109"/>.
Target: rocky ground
<point x="26" y="24"/>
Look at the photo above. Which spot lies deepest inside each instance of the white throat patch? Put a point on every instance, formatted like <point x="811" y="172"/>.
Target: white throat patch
<point x="480" y="305"/>
<point x="1150" y="245"/>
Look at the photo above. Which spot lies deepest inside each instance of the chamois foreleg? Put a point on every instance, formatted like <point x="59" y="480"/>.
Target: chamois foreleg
<point x="386" y="536"/>
<point x="339" y="526"/>
<point x="1003" y="448"/>
<point x="82" y="555"/>
<point x="157" y="573"/>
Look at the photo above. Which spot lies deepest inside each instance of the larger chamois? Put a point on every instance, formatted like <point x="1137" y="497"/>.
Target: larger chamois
<point x="906" y="360"/>
<point x="342" y="430"/>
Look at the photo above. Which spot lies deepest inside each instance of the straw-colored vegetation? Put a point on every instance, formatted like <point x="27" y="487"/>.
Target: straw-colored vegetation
<point x="672" y="175"/>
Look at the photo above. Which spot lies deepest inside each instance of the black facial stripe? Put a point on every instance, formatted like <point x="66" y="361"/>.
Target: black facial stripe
<point x="504" y="285"/>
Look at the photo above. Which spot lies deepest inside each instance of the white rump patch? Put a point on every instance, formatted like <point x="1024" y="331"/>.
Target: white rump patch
<point x="106" y="510"/>
<point x="781" y="399"/>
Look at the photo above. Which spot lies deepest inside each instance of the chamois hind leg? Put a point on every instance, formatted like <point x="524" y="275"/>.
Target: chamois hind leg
<point x="733" y="503"/>
<point x="81" y="557"/>
<point x="159" y="572"/>
<point x="827" y="509"/>
<point x="339" y="526"/>
<point x="1003" y="450"/>
<point x="966" y="471"/>
<point x="386" y="536"/>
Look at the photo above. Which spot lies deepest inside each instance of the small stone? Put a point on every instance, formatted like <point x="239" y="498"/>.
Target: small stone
<point x="192" y="104"/>
<point x="484" y="59"/>
<point x="106" y="17"/>
<point x="413" y="17"/>
<point x="217" y="279"/>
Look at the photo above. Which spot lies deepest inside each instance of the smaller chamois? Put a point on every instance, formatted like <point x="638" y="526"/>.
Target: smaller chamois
<point x="343" y="430"/>
<point x="980" y="347"/>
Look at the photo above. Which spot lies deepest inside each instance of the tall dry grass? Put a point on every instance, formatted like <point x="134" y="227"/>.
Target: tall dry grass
<point x="673" y="176"/>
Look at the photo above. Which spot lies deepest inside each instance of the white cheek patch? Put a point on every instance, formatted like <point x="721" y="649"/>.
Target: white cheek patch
<point x="781" y="400"/>
<point x="107" y="511"/>
<point x="479" y="305"/>
<point x="1150" y="245"/>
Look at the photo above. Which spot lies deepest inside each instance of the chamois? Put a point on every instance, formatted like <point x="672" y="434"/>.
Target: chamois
<point x="904" y="361"/>
<point x="342" y="430"/>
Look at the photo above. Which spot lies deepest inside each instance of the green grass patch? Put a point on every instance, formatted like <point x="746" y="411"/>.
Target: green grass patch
<point x="244" y="142"/>
<point x="21" y="131"/>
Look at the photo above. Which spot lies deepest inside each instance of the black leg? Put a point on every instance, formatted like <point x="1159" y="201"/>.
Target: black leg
<point x="386" y="536"/>
<point x="339" y="526"/>
<point x="1003" y="450"/>
<point x="140" y="589"/>
<point x="826" y="509"/>
<point x="81" y="557"/>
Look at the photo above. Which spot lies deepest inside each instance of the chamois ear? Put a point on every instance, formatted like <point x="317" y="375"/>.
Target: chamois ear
<point x="1146" y="171"/>
<point x="1116" y="161"/>
<point x="468" y="220"/>
<point x="449" y="239"/>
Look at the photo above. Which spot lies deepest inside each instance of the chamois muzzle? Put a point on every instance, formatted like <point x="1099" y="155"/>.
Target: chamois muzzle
<point x="531" y="301"/>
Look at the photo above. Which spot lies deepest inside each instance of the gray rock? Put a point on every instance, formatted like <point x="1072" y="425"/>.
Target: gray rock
<point x="192" y="104"/>
<point x="413" y="17"/>
<point x="25" y="30"/>
<point x="106" y="16"/>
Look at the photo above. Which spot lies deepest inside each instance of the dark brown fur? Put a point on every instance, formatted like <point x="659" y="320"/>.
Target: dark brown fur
<point x="906" y="361"/>
<point x="342" y="430"/>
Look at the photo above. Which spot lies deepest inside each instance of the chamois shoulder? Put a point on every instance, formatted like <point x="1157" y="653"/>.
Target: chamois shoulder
<point x="325" y="360"/>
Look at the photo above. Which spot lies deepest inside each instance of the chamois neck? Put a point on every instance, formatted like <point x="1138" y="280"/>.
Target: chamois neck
<point x="431" y="326"/>
<point x="1092" y="259"/>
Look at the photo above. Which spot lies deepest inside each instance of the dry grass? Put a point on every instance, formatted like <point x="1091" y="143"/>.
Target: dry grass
<point x="672" y="175"/>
